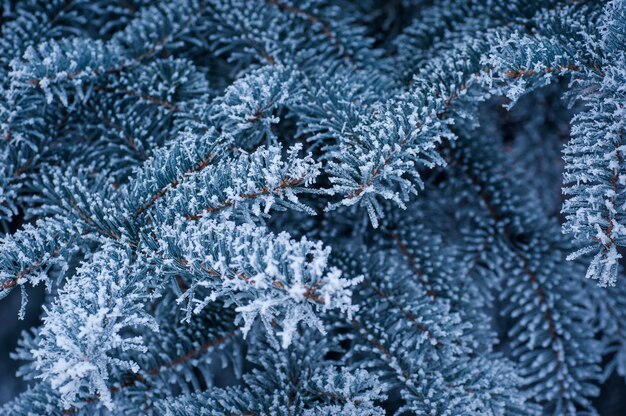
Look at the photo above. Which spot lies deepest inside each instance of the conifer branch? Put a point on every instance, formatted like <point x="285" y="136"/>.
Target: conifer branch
<point x="167" y="162"/>
<point x="314" y="20"/>
<point x="206" y="161"/>
<point x="154" y="100"/>
<point x="413" y="265"/>
<point x="285" y="183"/>
<point x="156" y="371"/>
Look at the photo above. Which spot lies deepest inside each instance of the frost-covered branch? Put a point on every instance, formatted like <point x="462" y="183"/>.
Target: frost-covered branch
<point x="270" y="277"/>
<point x="92" y="320"/>
<point x="30" y="253"/>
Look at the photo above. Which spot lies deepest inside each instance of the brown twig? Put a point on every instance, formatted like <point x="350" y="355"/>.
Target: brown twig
<point x="315" y="20"/>
<point x="518" y="73"/>
<point x="161" y="193"/>
<point x="285" y="183"/>
<point x="532" y="277"/>
<point x="430" y="291"/>
<point x="155" y="100"/>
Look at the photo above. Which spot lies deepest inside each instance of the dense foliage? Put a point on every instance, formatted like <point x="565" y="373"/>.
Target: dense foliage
<point x="315" y="207"/>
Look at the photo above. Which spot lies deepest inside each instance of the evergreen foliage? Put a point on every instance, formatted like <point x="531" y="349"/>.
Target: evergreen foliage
<point x="315" y="207"/>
